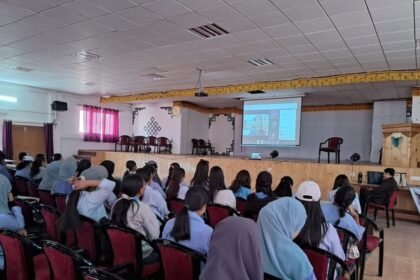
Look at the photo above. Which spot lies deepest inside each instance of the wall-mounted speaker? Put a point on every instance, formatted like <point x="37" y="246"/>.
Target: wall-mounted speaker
<point x="59" y="106"/>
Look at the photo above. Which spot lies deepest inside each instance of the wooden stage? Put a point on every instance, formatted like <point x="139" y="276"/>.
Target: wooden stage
<point x="322" y="173"/>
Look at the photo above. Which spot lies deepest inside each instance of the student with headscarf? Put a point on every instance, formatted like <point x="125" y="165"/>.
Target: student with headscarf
<point x="3" y="169"/>
<point x="67" y="170"/>
<point x="51" y="175"/>
<point x="279" y="222"/>
<point x="234" y="252"/>
<point x="188" y="227"/>
<point x="11" y="217"/>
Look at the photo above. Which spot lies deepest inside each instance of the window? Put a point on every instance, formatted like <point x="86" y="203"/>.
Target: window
<point x="99" y="124"/>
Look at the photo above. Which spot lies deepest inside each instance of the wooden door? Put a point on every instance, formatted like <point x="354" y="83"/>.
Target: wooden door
<point x="29" y="139"/>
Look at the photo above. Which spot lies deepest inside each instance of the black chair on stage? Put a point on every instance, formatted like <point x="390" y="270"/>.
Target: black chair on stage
<point x="331" y="145"/>
<point x="138" y="143"/>
<point x="124" y="141"/>
<point x="164" y="145"/>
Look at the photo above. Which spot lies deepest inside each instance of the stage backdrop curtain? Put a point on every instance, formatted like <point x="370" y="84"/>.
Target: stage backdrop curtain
<point x="7" y="139"/>
<point x="110" y="125"/>
<point x="92" y="123"/>
<point x="49" y="140"/>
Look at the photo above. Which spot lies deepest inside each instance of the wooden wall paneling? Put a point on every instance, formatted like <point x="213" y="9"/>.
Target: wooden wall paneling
<point x="29" y="139"/>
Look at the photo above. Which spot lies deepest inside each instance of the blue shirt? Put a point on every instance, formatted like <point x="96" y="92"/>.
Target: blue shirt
<point x="13" y="221"/>
<point x="200" y="233"/>
<point x="242" y="193"/>
<point x="24" y="173"/>
<point x="5" y="172"/>
<point x="62" y="187"/>
<point x="156" y="202"/>
<point x="347" y="222"/>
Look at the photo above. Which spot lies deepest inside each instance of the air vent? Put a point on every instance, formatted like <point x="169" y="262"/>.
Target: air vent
<point x="256" y="91"/>
<point x="260" y="62"/>
<point x="22" y="69"/>
<point x="209" y="30"/>
<point x="87" y="56"/>
<point x="91" y="84"/>
<point x="154" y="76"/>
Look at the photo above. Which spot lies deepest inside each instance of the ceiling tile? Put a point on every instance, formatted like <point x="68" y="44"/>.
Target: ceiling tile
<point x="166" y="8"/>
<point x="351" y="19"/>
<point x="196" y="5"/>
<point x="237" y="25"/>
<point x="183" y="36"/>
<point x="254" y="35"/>
<point x="366" y="49"/>
<point x="400" y="45"/>
<point x="392" y="12"/>
<point x="283" y="30"/>
<point x="139" y="15"/>
<point x="362" y="41"/>
<point x="325" y="36"/>
<point x="397" y="36"/>
<point x="112" y="5"/>
<point x="330" y="54"/>
<point x="162" y="27"/>
<point x="44" y="23"/>
<point x="357" y="31"/>
<point x="239" y="49"/>
<point x="309" y="11"/>
<point x="274" y="53"/>
<point x="292" y="41"/>
<point x="264" y="45"/>
<point x="219" y="13"/>
<point x="63" y="15"/>
<point x="284" y="4"/>
<point x="268" y="19"/>
<point x="85" y="8"/>
<point x="328" y="46"/>
<point x="333" y="7"/>
<point x="314" y="25"/>
<point x="253" y="7"/>
<point x="302" y="49"/>
<point x="226" y="41"/>
<point x="31" y="5"/>
<point x="12" y="12"/>
<point x="189" y="20"/>
<point x="395" y="25"/>
<point x="114" y="22"/>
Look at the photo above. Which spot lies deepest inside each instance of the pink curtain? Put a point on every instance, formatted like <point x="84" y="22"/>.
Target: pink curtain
<point x="92" y="123"/>
<point x="110" y="125"/>
<point x="7" y="139"/>
<point x="49" y="139"/>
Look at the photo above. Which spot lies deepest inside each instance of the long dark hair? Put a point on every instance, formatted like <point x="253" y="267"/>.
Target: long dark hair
<point x="70" y="218"/>
<point x="343" y="199"/>
<point x="145" y="173"/>
<point x="287" y="179"/>
<point x="315" y="226"/>
<point x="174" y="185"/>
<point x="283" y="189"/>
<point x="35" y="168"/>
<point x="21" y="165"/>
<point x="263" y="182"/>
<point x="341" y="180"/>
<point x="82" y="166"/>
<point x="131" y="186"/>
<point x="216" y="181"/>
<point x="110" y="167"/>
<point x="195" y="199"/>
<point x="171" y="168"/>
<point x="201" y="175"/>
<point x="242" y="179"/>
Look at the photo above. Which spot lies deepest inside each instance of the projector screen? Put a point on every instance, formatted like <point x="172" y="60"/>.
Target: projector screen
<point x="271" y="122"/>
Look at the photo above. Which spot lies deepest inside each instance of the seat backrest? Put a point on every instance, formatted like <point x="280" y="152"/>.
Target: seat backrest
<point x="152" y="140"/>
<point x="319" y="263"/>
<point x="124" y="246"/>
<point x="32" y="190"/>
<point x="162" y="141"/>
<point x="216" y="213"/>
<point x="21" y="186"/>
<point x="86" y="239"/>
<point x="139" y="140"/>
<point x="240" y="204"/>
<point x="26" y="211"/>
<point x="50" y="216"/>
<point x="124" y="140"/>
<point x="393" y="199"/>
<point x="60" y="202"/>
<point x="15" y="263"/>
<point x="92" y="273"/>
<point x="194" y="142"/>
<point x="202" y="142"/>
<point x="179" y="262"/>
<point x="45" y="197"/>
<point x="335" y="142"/>
<point x="175" y="205"/>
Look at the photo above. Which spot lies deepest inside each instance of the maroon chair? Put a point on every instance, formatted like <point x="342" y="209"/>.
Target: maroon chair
<point x="195" y="146"/>
<point x="21" y="186"/>
<point x="64" y="262"/>
<point x="50" y="216"/>
<point x="152" y="142"/>
<point x="23" y="258"/>
<point x="127" y="249"/>
<point x="203" y="146"/>
<point x="45" y="197"/>
<point x="29" y="208"/>
<point x="324" y="263"/>
<point x="124" y="141"/>
<point x="390" y="205"/>
<point x="87" y="238"/>
<point x="175" y="205"/>
<point x="92" y="273"/>
<point x="32" y="190"/>
<point x="60" y="202"/>
<point x="138" y="143"/>
<point x="215" y="213"/>
<point x="164" y="145"/>
<point x="240" y="205"/>
<point x="331" y="145"/>
<point x="179" y="262"/>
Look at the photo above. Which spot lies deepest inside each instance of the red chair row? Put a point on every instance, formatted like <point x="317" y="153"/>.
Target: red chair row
<point x="144" y="144"/>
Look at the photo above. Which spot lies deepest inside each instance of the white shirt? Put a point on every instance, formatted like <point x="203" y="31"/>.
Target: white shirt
<point x="225" y="197"/>
<point x="156" y="202"/>
<point x="182" y="191"/>
<point x="355" y="204"/>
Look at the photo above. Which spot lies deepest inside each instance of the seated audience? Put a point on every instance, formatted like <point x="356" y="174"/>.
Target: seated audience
<point x="3" y="169"/>
<point x="317" y="232"/>
<point x="279" y="223"/>
<point x="166" y="180"/>
<point x="341" y="214"/>
<point x="38" y="168"/>
<point x="110" y="167"/>
<point x="67" y="171"/>
<point x="153" y="184"/>
<point x="234" y="252"/>
<point x="156" y="178"/>
<point x="51" y="175"/>
<point x="201" y="175"/>
<point x="283" y="189"/>
<point x="188" y="227"/>
<point x="241" y="186"/>
<point x="218" y="192"/>
<point x="23" y="169"/>
<point x="151" y="197"/>
<point x="342" y="180"/>
<point x="381" y="194"/>
<point x="131" y="167"/>
<point x="261" y="197"/>
<point x="57" y="157"/>
<point x="82" y="166"/>
<point x="176" y="188"/>
<point x="21" y="155"/>
<point x="11" y="217"/>
<point x="130" y="211"/>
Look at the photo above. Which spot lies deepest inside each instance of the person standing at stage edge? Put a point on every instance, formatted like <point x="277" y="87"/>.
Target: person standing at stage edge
<point x="380" y="194"/>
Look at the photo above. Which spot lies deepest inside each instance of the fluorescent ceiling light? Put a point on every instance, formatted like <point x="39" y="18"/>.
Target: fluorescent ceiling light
<point x="8" y="98"/>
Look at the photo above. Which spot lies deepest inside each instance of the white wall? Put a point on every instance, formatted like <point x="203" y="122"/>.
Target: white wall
<point x="194" y="125"/>
<point x="353" y="126"/>
<point x="34" y="108"/>
<point x="221" y="133"/>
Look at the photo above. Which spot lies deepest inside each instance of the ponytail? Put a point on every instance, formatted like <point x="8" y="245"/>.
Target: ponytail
<point x="120" y="209"/>
<point x="181" y="229"/>
<point x="343" y="199"/>
<point x="174" y="185"/>
<point x="70" y="218"/>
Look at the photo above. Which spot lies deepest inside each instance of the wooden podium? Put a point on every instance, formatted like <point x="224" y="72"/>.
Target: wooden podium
<point x="401" y="145"/>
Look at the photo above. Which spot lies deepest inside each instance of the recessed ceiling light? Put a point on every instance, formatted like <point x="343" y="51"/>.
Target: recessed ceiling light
<point x="22" y="69"/>
<point x="154" y="76"/>
<point x="260" y="62"/>
<point x="8" y="98"/>
<point x="209" y="30"/>
<point x="89" y="83"/>
<point x="87" y="56"/>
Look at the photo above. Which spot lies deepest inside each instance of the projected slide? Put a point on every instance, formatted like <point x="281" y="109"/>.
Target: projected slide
<point x="272" y="122"/>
